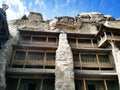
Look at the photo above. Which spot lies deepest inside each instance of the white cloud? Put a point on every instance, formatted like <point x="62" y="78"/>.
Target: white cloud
<point x="16" y="9"/>
<point x="40" y="3"/>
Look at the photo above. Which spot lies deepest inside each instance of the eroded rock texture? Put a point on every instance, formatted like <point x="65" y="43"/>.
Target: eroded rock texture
<point x="116" y="56"/>
<point x="6" y="52"/>
<point x="64" y="74"/>
<point x="83" y="23"/>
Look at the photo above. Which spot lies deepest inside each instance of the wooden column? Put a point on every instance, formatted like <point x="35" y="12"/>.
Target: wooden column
<point x="98" y="61"/>
<point x="13" y="56"/>
<point x="105" y="85"/>
<point x="25" y="58"/>
<point x="77" y="42"/>
<point x="44" y="59"/>
<point x="80" y="60"/>
<point x="41" y="84"/>
<point x="84" y="83"/>
<point x="92" y="43"/>
<point x="18" y="84"/>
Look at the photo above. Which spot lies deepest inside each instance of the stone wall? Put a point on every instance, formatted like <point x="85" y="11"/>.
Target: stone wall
<point x="6" y="52"/>
<point x="64" y="73"/>
<point x="82" y="23"/>
<point x="116" y="56"/>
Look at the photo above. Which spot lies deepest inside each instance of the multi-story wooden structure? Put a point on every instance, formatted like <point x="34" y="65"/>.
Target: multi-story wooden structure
<point x="32" y="65"/>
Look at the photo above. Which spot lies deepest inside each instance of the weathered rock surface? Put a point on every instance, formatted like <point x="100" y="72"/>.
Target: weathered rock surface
<point x="35" y="16"/>
<point x="112" y="24"/>
<point x="82" y="23"/>
<point x="109" y="18"/>
<point x="116" y="56"/>
<point x="64" y="74"/>
<point x="6" y="53"/>
<point x="95" y="16"/>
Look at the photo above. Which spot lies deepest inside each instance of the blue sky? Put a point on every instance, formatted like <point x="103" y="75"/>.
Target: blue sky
<point x="54" y="8"/>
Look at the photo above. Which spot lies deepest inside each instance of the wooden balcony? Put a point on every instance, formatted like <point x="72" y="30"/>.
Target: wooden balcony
<point x="39" y="43"/>
<point x="50" y="63"/>
<point x="92" y="65"/>
<point x="33" y="63"/>
<point x="84" y="45"/>
<point x="105" y="38"/>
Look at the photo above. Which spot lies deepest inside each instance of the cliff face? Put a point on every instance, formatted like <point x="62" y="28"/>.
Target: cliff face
<point x="82" y="23"/>
<point x="86" y="23"/>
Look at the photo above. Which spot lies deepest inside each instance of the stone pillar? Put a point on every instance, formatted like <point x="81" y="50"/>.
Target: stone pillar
<point x="64" y="72"/>
<point x="116" y="56"/>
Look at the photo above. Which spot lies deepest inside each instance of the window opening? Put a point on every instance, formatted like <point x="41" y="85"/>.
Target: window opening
<point x="35" y="56"/>
<point x="50" y="56"/>
<point x="26" y="38"/>
<point x="39" y="39"/>
<point x="91" y="87"/>
<point x="103" y="58"/>
<point x="31" y="86"/>
<point x="75" y="56"/>
<point x="88" y="58"/>
<point x="52" y="39"/>
<point x="20" y="55"/>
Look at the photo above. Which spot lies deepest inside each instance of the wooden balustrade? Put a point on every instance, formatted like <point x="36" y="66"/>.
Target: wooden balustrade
<point x="34" y="63"/>
<point x="106" y="37"/>
<point x="92" y="65"/>
<point x="38" y="40"/>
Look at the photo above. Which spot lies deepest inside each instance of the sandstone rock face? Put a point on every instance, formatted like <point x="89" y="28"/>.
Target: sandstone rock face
<point x="116" y="56"/>
<point x="64" y="74"/>
<point x="113" y="24"/>
<point x="83" y="23"/>
<point x="109" y="18"/>
<point x="95" y="16"/>
<point x="35" y="16"/>
<point x="6" y="53"/>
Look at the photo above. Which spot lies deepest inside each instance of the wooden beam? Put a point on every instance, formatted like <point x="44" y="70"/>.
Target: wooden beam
<point x="95" y="72"/>
<point x="30" y="71"/>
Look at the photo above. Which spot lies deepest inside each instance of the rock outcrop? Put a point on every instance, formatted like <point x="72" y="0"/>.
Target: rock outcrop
<point x="95" y="16"/>
<point x="33" y="16"/>
<point x="6" y="52"/>
<point x="64" y="74"/>
<point x="83" y="23"/>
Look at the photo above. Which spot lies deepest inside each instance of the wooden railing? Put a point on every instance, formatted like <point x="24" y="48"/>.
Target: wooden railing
<point x="39" y="43"/>
<point x="108" y="37"/>
<point x="52" y="63"/>
<point x="92" y="65"/>
<point x="34" y="62"/>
